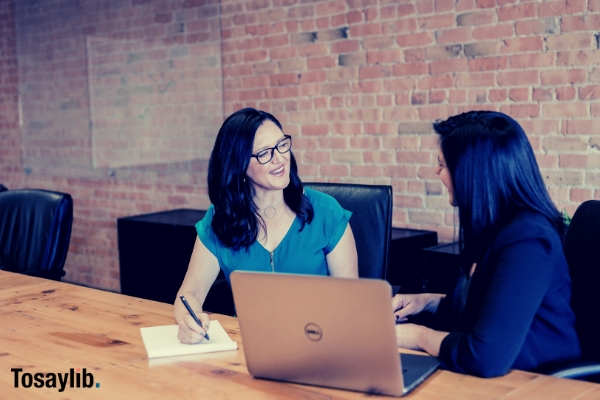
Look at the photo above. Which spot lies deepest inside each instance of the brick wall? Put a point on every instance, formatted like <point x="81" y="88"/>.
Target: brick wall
<point x="357" y="83"/>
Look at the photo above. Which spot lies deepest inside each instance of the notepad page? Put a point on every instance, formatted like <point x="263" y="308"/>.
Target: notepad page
<point x="162" y="341"/>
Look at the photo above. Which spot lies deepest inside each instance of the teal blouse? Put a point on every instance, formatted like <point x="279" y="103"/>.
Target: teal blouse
<point x="300" y="251"/>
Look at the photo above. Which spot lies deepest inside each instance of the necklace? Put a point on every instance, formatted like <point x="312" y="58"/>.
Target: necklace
<point x="269" y="212"/>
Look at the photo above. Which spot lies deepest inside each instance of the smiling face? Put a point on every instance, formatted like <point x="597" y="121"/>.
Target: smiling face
<point x="444" y="174"/>
<point x="274" y="175"/>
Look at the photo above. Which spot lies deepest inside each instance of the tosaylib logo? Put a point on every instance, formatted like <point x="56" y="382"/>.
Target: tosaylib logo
<point x="55" y="380"/>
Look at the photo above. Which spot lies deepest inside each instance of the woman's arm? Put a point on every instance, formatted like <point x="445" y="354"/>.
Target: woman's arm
<point x="201" y="273"/>
<point x="343" y="259"/>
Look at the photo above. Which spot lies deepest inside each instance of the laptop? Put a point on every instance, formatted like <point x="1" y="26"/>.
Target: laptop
<point x="325" y="331"/>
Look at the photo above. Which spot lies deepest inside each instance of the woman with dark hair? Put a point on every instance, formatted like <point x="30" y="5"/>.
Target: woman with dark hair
<point x="514" y="311"/>
<point x="261" y="217"/>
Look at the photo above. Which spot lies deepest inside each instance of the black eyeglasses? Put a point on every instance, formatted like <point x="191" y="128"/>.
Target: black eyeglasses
<point x="266" y="155"/>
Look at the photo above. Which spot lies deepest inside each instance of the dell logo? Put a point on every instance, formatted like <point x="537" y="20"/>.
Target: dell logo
<point x="313" y="332"/>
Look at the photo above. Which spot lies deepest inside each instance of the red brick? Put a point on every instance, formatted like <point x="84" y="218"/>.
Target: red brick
<point x="485" y="17"/>
<point x="255" y="55"/>
<point x="497" y="95"/>
<point x="370" y="86"/>
<point x="513" y="78"/>
<point x="414" y="39"/>
<point x="345" y="46"/>
<point x="591" y="92"/>
<point x="516" y="12"/>
<point x="275" y="41"/>
<point x="479" y="79"/>
<point x="488" y="64"/>
<point x="565" y="93"/>
<point x="440" y="67"/>
<point x="531" y="60"/>
<point x="521" y="110"/>
<point x="579" y="57"/>
<point x="580" y="195"/>
<point x="330" y="7"/>
<point x="436" y="97"/>
<point x="334" y="170"/>
<point x="313" y="76"/>
<point x="402" y="69"/>
<point x="436" y="21"/>
<point x="541" y="94"/>
<point x="385" y="56"/>
<point x="497" y="31"/>
<point x="425" y="6"/>
<point x="321" y="62"/>
<point x="457" y="96"/>
<point x="570" y="41"/>
<point x="453" y="35"/>
<point x="365" y="171"/>
<point x="374" y="71"/>
<point x="434" y="82"/>
<point x="400" y="171"/>
<point x="563" y="110"/>
<point x="518" y="94"/>
<point x="317" y="157"/>
<point x="313" y="49"/>
<point x="347" y="128"/>
<point x="521" y="44"/>
<point x="580" y="127"/>
<point x="559" y="77"/>
<point x="315" y="129"/>
<point x="284" y="79"/>
<point x="365" y="30"/>
<point x="539" y="26"/>
<point x="406" y="25"/>
<point x="353" y="17"/>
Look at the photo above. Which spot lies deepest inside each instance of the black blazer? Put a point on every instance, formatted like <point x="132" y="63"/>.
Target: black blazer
<point x="517" y="313"/>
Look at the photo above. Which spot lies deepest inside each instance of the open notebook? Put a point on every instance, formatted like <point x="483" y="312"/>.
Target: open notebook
<point x="161" y="341"/>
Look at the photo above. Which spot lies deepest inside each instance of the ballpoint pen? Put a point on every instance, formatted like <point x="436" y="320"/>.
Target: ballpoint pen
<point x="193" y="314"/>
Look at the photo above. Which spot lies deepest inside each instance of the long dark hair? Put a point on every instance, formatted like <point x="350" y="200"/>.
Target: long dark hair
<point x="235" y="221"/>
<point x="494" y="175"/>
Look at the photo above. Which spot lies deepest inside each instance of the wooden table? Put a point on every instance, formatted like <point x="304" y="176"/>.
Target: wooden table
<point x="48" y="326"/>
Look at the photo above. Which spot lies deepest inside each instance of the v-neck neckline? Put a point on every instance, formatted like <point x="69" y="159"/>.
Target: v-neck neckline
<point x="283" y="239"/>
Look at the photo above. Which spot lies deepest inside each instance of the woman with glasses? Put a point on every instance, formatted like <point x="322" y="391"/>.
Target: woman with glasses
<point x="261" y="217"/>
<point x="514" y="310"/>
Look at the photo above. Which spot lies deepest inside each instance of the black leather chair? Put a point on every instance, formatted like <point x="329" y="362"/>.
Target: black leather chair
<point x="371" y="222"/>
<point x="3" y="188"/>
<point x="582" y="238"/>
<point x="35" y="230"/>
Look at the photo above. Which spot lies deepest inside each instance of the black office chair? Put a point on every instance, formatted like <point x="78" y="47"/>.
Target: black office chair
<point x="371" y="222"/>
<point x="35" y="230"/>
<point x="3" y="188"/>
<point x="581" y="249"/>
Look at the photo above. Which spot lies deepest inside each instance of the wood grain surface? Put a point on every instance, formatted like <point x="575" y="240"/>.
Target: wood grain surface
<point x="51" y="327"/>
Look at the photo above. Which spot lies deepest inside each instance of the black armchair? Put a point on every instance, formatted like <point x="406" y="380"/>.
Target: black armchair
<point x="581" y="240"/>
<point x="35" y="230"/>
<point x="371" y="222"/>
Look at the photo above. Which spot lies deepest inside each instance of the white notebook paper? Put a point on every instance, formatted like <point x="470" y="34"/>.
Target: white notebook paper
<point x="161" y="341"/>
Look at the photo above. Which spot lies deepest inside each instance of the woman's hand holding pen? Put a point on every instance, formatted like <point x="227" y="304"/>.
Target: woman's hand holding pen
<point x="411" y="304"/>
<point x="189" y="330"/>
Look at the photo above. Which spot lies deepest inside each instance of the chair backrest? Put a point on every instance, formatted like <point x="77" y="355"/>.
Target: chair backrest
<point x="3" y="188"/>
<point x="371" y="222"/>
<point x="35" y="230"/>
<point x="582" y="238"/>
